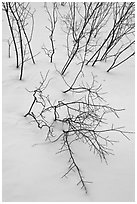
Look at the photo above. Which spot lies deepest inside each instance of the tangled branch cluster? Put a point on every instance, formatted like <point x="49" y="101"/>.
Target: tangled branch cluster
<point x="82" y="120"/>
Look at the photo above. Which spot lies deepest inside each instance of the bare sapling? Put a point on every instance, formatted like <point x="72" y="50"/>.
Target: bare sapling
<point x="52" y="17"/>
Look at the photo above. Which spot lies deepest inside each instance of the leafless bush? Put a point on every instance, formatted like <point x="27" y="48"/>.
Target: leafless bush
<point x="82" y="119"/>
<point x="20" y="17"/>
<point x="84" y="22"/>
<point x="120" y="36"/>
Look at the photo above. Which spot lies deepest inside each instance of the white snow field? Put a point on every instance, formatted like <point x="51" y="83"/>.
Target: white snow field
<point x="32" y="173"/>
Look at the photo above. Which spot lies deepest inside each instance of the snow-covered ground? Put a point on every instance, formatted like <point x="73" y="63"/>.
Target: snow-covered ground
<point x="33" y="172"/>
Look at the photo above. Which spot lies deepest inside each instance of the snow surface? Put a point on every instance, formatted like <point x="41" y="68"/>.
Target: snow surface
<point x="33" y="172"/>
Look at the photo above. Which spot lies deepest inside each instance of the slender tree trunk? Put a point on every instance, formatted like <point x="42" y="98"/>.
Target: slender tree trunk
<point x="21" y="43"/>
<point x="12" y="34"/>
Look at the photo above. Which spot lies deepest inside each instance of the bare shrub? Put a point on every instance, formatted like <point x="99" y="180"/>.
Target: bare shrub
<point x="82" y="119"/>
<point x="84" y="22"/>
<point x="120" y="37"/>
<point x="19" y="16"/>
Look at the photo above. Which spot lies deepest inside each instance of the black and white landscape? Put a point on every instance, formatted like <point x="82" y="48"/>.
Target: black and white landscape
<point x="68" y="101"/>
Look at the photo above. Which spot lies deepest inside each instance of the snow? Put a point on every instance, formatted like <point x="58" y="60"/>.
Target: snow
<point x="31" y="168"/>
